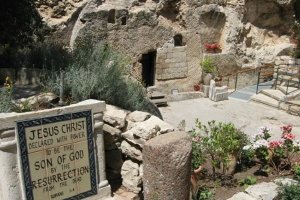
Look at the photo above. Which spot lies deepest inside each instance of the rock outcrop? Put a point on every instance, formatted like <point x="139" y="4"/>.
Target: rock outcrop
<point x="251" y="32"/>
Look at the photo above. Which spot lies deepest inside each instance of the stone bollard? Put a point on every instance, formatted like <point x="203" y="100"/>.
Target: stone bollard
<point x="167" y="167"/>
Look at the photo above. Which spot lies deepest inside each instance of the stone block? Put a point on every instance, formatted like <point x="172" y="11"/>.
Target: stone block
<point x="205" y="90"/>
<point x="115" y="116"/>
<point x="241" y="196"/>
<point x="217" y="93"/>
<point x="221" y="96"/>
<point x="138" y="116"/>
<point x="167" y="164"/>
<point x="263" y="191"/>
<point x="131" y="151"/>
<point x="179" y="49"/>
<point x="130" y="175"/>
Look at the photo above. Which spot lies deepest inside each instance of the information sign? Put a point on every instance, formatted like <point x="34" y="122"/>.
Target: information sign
<point x="57" y="156"/>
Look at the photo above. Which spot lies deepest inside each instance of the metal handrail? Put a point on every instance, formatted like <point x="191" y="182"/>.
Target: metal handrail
<point x="289" y="81"/>
<point x="246" y="71"/>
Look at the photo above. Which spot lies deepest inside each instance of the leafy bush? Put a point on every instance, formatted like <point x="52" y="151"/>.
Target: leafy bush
<point x="296" y="170"/>
<point x="249" y="180"/>
<point x="44" y="55"/>
<point x="205" y="194"/>
<point x="208" y="65"/>
<point x="289" y="192"/>
<point x="6" y="104"/>
<point x="219" y="142"/>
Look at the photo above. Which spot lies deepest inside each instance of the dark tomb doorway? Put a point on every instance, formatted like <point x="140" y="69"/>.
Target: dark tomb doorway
<point x="148" y="68"/>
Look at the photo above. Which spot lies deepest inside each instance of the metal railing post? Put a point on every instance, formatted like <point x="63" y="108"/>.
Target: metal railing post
<point x="258" y="81"/>
<point x="276" y="78"/>
<point x="235" y="84"/>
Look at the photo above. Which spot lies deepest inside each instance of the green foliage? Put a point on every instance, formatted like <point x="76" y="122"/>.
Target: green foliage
<point x="198" y="156"/>
<point x="98" y="72"/>
<point x="219" y="142"/>
<point x="278" y="154"/>
<point x="22" y="26"/>
<point x="247" y="157"/>
<point x="296" y="170"/>
<point x="47" y="55"/>
<point x="249" y="180"/>
<point x="208" y="65"/>
<point x="6" y="104"/>
<point x="289" y="192"/>
<point x="205" y="194"/>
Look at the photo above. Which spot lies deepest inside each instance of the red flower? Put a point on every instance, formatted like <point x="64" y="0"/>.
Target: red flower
<point x="275" y="144"/>
<point x="286" y="128"/>
<point x="213" y="46"/>
<point x="288" y="136"/>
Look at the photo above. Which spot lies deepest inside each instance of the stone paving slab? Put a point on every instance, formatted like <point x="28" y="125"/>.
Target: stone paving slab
<point x="241" y="196"/>
<point x="263" y="191"/>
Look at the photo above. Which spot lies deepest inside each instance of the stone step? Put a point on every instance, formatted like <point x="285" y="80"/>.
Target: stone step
<point x="288" y="78"/>
<point x="160" y="102"/>
<point x="269" y="101"/>
<point x="275" y="94"/>
<point x="292" y="91"/>
<point x="156" y="95"/>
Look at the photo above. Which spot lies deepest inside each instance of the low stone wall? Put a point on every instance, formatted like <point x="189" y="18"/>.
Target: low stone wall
<point x="125" y="134"/>
<point x="286" y="64"/>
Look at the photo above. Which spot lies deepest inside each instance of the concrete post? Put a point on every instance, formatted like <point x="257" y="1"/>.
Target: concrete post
<point x="167" y="167"/>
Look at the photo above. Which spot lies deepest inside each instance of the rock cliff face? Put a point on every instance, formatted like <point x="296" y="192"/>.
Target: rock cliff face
<point x="249" y="32"/>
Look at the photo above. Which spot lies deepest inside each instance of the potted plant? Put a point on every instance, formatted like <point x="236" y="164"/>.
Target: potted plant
<point x="212" y="47"/>
<point x="208" y="70"/>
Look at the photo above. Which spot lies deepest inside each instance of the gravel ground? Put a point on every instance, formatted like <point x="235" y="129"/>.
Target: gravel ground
<point x="248" y="116"/>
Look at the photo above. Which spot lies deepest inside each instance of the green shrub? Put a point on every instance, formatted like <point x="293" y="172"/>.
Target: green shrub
<point x="296" y="170"/>
<point x="205" y="194"/>
<point x="98" y="72"/>
<point x="249" y="180"/>
<point x="6" y="105"/>
<point x="219" y="142"/>
<point x="44" y="55"/>
<point x="289" y="192"/>
<point x="208" y="65"/>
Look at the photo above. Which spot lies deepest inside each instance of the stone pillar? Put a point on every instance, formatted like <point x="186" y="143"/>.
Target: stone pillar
<point x="104" y="187"/>
<point x="167" y="167"/>
<point x="10" y="184"/>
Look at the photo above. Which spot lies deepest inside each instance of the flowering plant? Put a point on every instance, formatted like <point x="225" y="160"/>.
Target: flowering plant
<point x="219" y="143"/>
<point x="276" y="153"/>
<point x="212" y="47"/>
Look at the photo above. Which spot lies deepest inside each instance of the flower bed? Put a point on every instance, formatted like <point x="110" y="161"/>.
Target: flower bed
<point x="258" y="159"/>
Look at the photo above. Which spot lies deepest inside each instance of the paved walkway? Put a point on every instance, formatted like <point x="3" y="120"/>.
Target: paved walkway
<point x="245" y="94"/>
<point x="247" y="116"/>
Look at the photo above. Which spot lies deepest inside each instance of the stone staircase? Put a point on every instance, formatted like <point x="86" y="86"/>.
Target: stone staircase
<point x="286" y="93"/>
<point x="278" y="99"/>
<point x="156" y="97"/>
